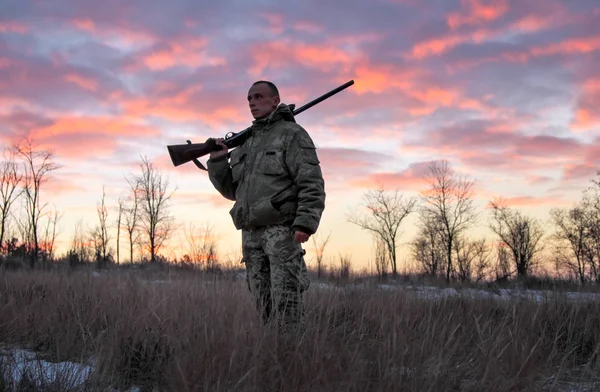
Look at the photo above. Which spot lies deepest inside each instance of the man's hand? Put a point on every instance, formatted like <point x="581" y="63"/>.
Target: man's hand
<point x="300" y="236"/>
<point x="219" y="153"/>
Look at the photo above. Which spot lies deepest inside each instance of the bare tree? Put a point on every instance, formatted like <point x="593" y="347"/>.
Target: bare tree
<point x="49" y="236"/>
<point x="101" y="232"/>
<point x="502" y="267"/>
<point x="428" y="246"/>
<point x="521" y="235"/>
<point x="131" y="211"/>
<point x="155" y="195"/>
<point x="381" y="258"/>
<point x="345" y="266"/>
<point x="202" y="245"/>
<point x="10" y="178"/>
<point x="449" y="201"/>
<point x="387" y="211"/>
<point x="572" y="237"/>
<point x="80" y="250"/>
<point x="38" y="164"/>
<point x="119" y="222"/>
<point x="320" y="244"/>
<point x="590" y="205"/>
<point x="472" y="258"/>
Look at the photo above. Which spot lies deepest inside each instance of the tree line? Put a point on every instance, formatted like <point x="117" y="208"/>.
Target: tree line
<point x="142" y="214"/>
<point x="446" y="214"/>
<point x="443" y="246"/>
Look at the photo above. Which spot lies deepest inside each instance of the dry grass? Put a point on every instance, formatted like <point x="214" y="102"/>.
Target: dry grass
<point x="189" y="333"/>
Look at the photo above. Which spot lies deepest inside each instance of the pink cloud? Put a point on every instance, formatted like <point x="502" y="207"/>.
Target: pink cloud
<point x="281" y="53"/>
<point x="185" y="51"/>
<point x="85" y="82"/>
<point x="587" y="113"/>
<point x="535" y="201"/>
<point x="410" y="179"/>
<point x="553" y="15"/>
<point x="197" y="198"/>
<point x="61" y="185"/>
<point x="307" y="26"/>
<point x="109" y="126"/>
<point x="574" y="45"/>
<point x="11" y="26"/>
<point x="341" y="165"/>
<point x="577" y="171"/>
<point x="566" y="47"/>
<point x="121" y="31"/>
<point x="477" y="12"/>
<point x="534" y="179"/>
<point x="275" y="22"/>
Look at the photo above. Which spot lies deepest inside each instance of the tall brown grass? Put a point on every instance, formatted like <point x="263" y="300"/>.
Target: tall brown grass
<point x="189" y="333"/>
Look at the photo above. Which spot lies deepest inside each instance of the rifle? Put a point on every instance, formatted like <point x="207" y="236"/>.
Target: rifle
<point x="183" y="153"/>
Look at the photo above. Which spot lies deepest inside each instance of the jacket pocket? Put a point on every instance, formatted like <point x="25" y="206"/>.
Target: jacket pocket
<point x="237" y="167"/>
<point x="309" y="154"/>
<point x="237" y="215"/>
<point x="263" y="213"/>
<point x="272" y="163"/>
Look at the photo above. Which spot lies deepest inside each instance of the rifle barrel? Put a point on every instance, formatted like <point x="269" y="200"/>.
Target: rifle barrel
<point x="323" y="97"/>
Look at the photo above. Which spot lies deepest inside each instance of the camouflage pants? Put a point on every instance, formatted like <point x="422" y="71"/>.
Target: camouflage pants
<point x="276" y="274"/>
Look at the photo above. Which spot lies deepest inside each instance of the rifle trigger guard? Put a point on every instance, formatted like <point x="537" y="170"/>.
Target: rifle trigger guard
<point x="198" y="164"/>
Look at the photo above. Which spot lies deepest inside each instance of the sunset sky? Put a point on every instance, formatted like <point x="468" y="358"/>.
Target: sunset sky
<point x="508" y="91"/>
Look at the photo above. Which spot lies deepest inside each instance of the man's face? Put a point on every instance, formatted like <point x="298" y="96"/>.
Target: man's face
<point x="261" y="100"/>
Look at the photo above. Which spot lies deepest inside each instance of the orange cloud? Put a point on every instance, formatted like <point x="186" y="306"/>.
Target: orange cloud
<point x="377" y="78"/>
<point x="436" y="46"/>
<point x="189" y="52"/>
<point x="587" y="113"/>
<point x="435" y="95"/>
<point x="71" y="125"/>
<point x="85" y="24"/>
<point x="184" y="107"/>
<point x="278" y="54"/>
<point x="430" y="98"/>
<point x="477" y="13"/>
<point x="575" y="45"/>
<point x="525" y="25"/>
<point x="586" y="118"/>
<point x="401" y="181"/>
<point x="583" y="45"/>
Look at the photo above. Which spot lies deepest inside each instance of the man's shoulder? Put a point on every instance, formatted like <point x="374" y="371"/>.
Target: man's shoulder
<point x="289" y="129"/>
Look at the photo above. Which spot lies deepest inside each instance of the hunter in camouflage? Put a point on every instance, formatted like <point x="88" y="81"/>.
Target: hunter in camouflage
<point x="276" y="182"/>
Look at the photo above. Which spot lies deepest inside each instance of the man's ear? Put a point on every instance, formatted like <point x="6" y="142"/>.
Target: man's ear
<point x="277" y="101"/>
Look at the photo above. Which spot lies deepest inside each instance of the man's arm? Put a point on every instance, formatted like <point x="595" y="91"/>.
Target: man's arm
<point x="303" y="163"/>
<point x="219" y="172"/>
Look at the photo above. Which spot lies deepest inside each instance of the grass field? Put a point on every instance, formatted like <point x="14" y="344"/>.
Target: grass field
<point x="187" y="331"/>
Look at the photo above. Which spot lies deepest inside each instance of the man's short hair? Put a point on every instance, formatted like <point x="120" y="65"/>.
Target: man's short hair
<point x="271" y="85"/>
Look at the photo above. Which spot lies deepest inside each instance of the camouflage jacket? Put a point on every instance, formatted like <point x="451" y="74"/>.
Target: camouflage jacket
<point x="274" y="177"/>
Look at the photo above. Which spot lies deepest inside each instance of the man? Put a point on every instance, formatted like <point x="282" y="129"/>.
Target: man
<point x="276" y="182"/>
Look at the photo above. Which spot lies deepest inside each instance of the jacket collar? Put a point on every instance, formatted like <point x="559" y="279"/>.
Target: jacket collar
<point x="282" y="112"/>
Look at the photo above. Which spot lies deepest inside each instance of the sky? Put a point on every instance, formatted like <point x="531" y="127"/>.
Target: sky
<point x="507" y="91"/>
